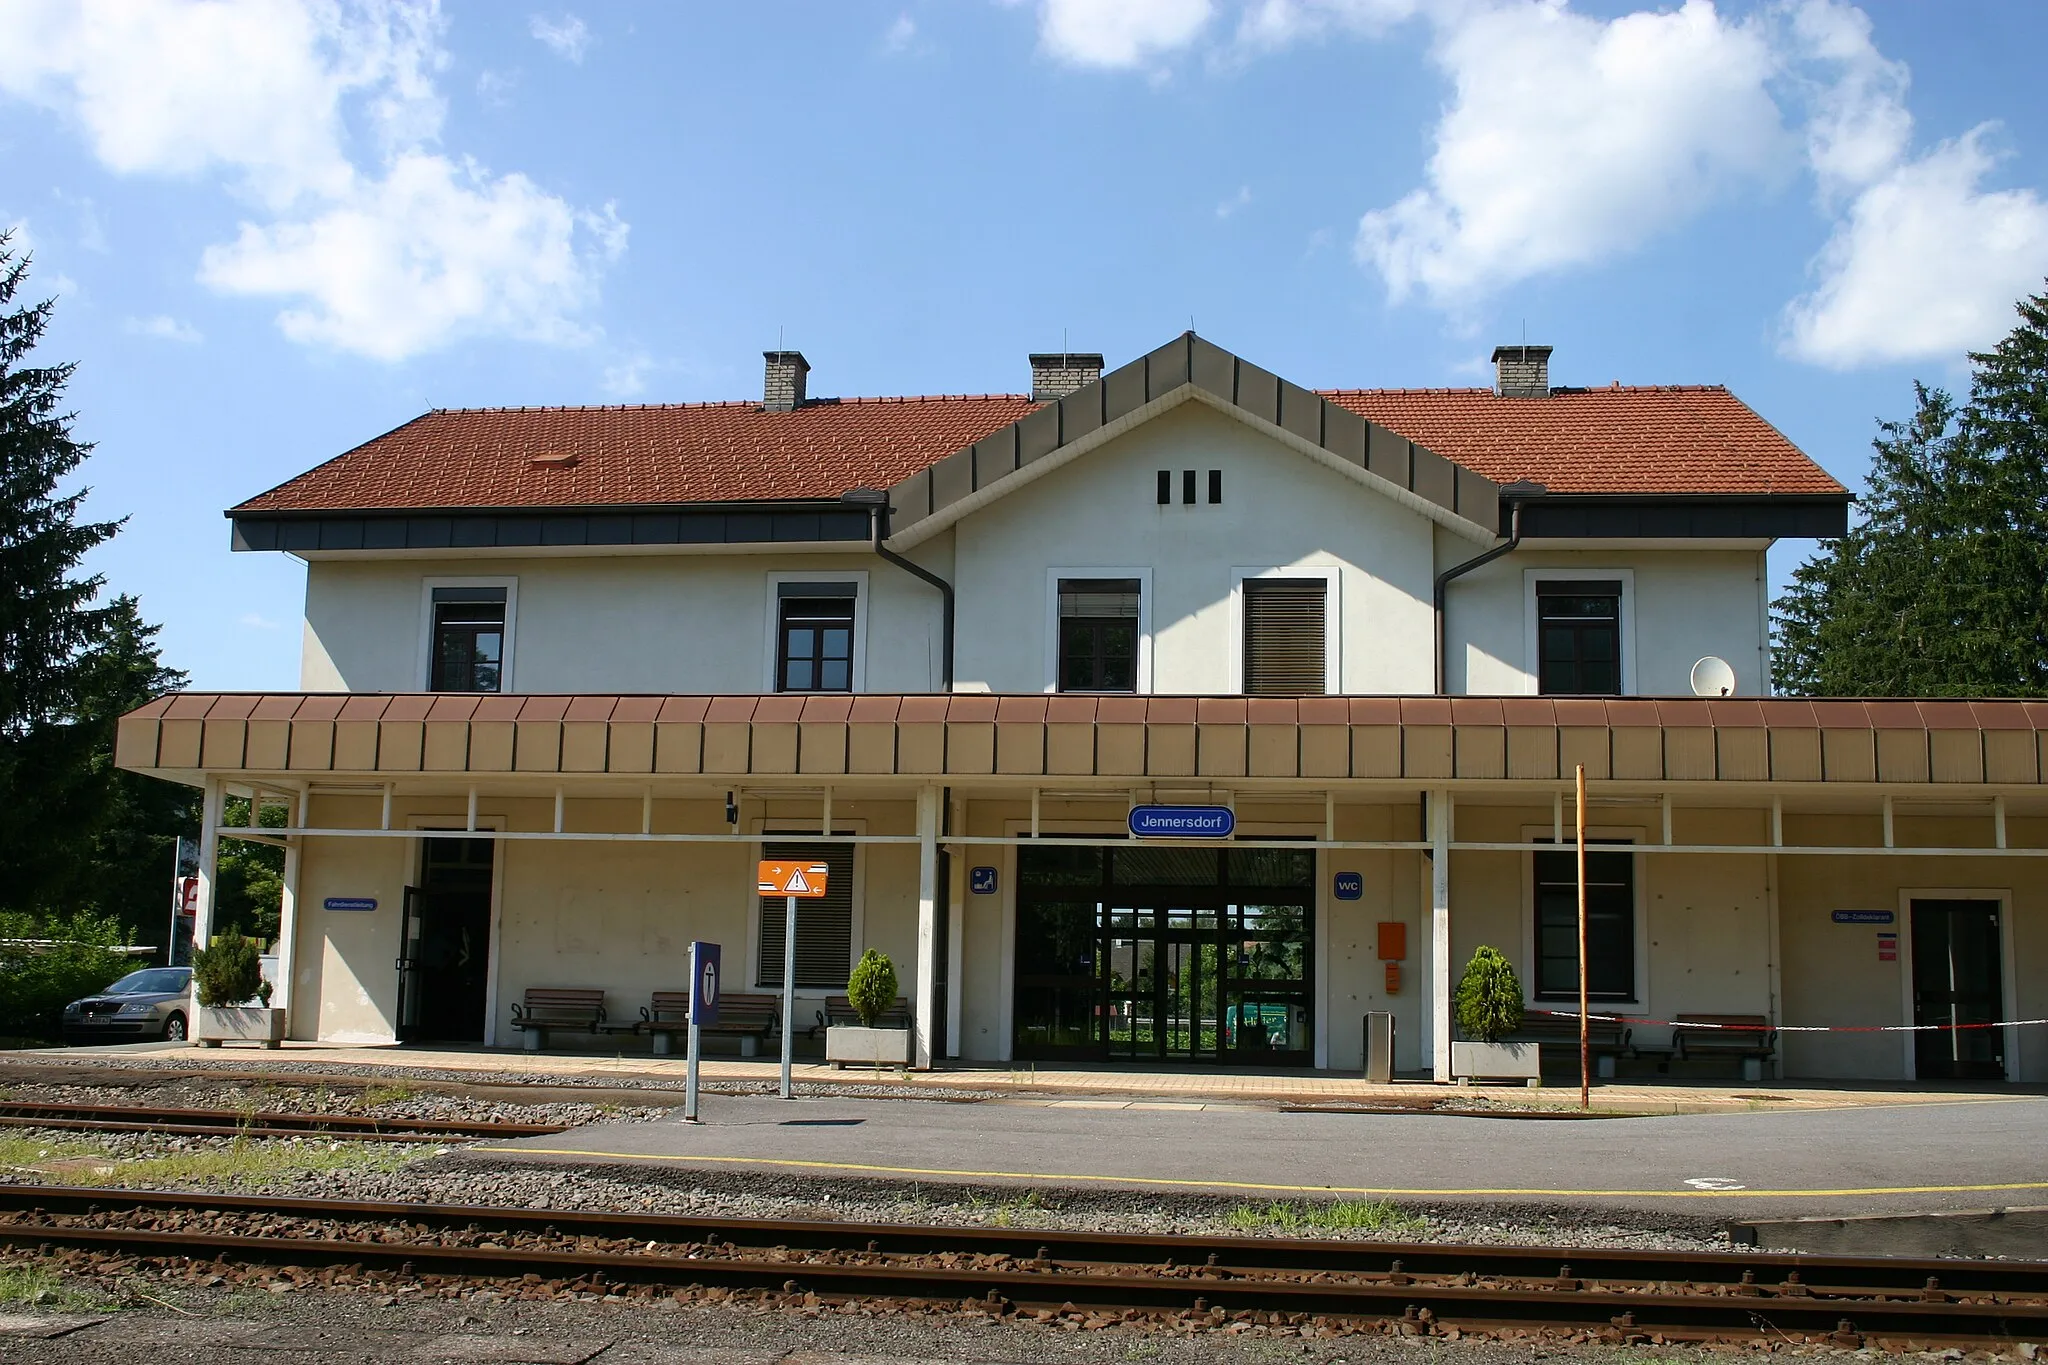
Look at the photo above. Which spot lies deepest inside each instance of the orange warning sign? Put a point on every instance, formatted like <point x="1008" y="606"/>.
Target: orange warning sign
<point x="805" y="881"/>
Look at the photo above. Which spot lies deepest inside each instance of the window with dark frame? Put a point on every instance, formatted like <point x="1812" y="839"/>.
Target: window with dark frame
<point x="468" y="651"/>
<point x="1610" y="923"/>
<point x="1578" y="637"/>
<point x="824" y="925"/>
<point x="1098" y="624"/>
<point x="1284" y="644"/>
<point x="814" y="637"/>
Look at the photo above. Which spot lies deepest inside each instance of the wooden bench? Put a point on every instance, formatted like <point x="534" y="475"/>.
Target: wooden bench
<point x="574" y="1009"/>
<point x="1606" y="1039"/>
<point x="840" y="1013"/>
<point x="1748" y="1038"/>
<point x="750" y="1018"/>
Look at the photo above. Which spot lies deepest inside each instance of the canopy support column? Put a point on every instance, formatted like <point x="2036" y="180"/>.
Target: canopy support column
<point x="1440" y="934"/>
<point x="924" y="1004"/>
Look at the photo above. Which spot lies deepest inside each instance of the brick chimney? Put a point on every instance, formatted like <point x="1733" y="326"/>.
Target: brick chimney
<point x="1057" y="375"/>
<point x="788" y="375"/>
<point x="1521" y="371"/>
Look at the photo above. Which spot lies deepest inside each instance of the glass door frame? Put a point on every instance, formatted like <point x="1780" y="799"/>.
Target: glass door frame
<point x="2008" y="1043"/>
<point x="1222" y="931"/>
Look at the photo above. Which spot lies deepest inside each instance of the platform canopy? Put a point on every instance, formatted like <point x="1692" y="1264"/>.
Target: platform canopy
<point x="1434" y="740"/>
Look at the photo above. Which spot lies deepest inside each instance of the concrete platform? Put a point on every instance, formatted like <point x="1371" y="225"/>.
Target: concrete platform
<point x="1891" y="1159"/>
<point x="1196" y="1085"/>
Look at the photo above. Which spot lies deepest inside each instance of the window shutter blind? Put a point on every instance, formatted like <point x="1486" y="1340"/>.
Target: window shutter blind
<point x="1283" y="637"/>
<point x="824" y="927"/>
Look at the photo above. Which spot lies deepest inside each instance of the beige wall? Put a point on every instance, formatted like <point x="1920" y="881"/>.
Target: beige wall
<point x="620" y="915"/>
<point x="613" y="914"/>
<point x="1832" y="972"/>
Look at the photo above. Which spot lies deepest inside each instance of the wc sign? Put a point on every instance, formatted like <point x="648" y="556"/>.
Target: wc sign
<point x="704" y="958"/>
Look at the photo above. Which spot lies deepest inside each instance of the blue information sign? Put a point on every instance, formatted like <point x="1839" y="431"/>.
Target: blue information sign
<point x="350" y="903"/>
<point x="1350" y="886"/>
<point x="982" y="881"/>
<point x="704" y="983"/>
<point x="1864" y="916"/>
<point x="1182" y="822"/>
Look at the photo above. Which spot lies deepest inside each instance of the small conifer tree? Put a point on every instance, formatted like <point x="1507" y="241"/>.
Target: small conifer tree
<point x="1489" y="997"/>
<point x="872" y="987"/>
<point x="227" y="973"/>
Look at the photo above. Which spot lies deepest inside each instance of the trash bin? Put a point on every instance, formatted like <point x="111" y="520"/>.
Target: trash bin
<point x="1379" y="1047"/>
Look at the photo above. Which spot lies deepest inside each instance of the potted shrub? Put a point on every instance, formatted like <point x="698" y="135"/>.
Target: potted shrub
<point x="1489" y="1008"/>
<point x="226" y="978"/>
<point x="871" y="993"/>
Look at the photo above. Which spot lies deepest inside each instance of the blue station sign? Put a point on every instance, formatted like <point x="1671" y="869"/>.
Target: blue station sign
<point x="1350" y="886"/>
<point x="350" y="903"/>
<point x="1864" y="916"/>
<point x="704" y="964"/>
<point x="1182" y="822"/>
<point x="982" y="881"/>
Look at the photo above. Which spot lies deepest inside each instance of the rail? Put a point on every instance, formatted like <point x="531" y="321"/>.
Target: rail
<point x="1620" y="1293"/>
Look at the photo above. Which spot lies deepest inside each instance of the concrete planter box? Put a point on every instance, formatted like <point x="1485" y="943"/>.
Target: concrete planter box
<point x="213" y="1025"/>
<point x="1496" y="1062"/>
<point x="846" y="1045"/>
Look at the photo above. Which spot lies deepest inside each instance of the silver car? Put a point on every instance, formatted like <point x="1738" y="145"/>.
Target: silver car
<point x="155" y="1002"/>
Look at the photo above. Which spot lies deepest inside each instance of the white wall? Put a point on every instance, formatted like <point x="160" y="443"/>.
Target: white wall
<point x="1279" y="509"/>
<point x="1686" y="604"/>
<point x="675" y="623"/>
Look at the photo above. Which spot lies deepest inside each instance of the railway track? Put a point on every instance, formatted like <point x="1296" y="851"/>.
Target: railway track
<point x="1617" y="1294"/>
<point x="125" y="1118"/>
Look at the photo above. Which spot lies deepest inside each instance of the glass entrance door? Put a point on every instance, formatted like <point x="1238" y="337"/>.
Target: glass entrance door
<point x="444" y="944"/>
<point x="1148" y="954"/>
<point x="1958" y="982"/>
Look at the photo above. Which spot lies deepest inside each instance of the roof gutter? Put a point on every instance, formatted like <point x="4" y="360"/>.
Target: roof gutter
<point x="877" y="503"/>
<point x="1515" y="495"/>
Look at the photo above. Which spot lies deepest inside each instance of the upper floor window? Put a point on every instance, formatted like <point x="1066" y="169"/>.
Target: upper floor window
<point x="1286" y="628"/>
<point x="1578" y="637"/>
<point x="467" y="644"/>
<point x="1098" y="625"/>
<point x="814" y="636"/>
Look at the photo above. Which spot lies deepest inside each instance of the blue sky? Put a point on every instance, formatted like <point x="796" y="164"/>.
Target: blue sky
<point x="279" y="227"/>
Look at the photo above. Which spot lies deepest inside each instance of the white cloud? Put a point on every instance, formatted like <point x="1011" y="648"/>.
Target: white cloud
<point x="1235" y="202"/>
<point x="1926" y="264"/>
<point x="1119" y="33"/>
<point x="627" y="378"/>
<point x="1923" y="263"/>
<point x="1570" y="139"/>
<point x="1280" y="23"/>
<point x="256" y="621"/>
<point x="433" y="252"/>
<point x="902" y="39"/>
<point x="567" y="37"/>
<point x="495" y="88"/>
<point x="163" y="328"/>
<point x="323" y="116"/>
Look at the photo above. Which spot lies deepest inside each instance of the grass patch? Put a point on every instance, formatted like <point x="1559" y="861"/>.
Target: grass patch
<point x="22" y="1153"/>
<point x="1338" y="1215"/>
<point x="34" y="1286"/>
<point x="241" y="1162"/>
<point x="394" y="1093"/>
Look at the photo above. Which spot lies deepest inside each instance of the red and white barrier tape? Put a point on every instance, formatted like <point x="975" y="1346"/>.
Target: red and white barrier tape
<point x="1794" y="1028"/>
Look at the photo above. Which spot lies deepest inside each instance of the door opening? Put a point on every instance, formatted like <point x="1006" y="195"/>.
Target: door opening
<point x="445" y="944"/>
<point x="1959" y="984"/>
<point x="1148" y="954"/>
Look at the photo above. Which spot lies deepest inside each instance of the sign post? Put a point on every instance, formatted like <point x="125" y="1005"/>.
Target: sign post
<point x="704" y="963"/>
<point x="794" y="882"/>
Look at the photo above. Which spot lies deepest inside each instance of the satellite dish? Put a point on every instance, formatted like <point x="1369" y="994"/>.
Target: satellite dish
<point x="1712" y="677"/>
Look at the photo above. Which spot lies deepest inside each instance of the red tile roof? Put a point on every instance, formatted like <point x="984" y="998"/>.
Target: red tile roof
<point x="1617" y="440"/>
<point x="1678" y="439"/>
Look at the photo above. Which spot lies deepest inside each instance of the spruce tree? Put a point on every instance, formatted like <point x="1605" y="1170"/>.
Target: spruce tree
<point x="74" y="833"/>
<point x="1941" y="588"/>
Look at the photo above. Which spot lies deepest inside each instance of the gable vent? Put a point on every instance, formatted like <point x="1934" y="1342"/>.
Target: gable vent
<point x="1284" y="648"/>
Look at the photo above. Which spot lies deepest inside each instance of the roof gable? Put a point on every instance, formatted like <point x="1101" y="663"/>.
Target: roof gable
<point x="1186" y="369"/>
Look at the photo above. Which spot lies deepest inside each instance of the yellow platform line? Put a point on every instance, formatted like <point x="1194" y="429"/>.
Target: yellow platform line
<point x="1263" y="1188"/>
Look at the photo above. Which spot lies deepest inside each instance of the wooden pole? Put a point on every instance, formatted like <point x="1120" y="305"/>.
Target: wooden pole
<point x="1585" y="1070"/>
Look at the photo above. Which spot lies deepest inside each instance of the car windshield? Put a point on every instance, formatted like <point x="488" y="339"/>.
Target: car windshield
<point x="151" y="981"/>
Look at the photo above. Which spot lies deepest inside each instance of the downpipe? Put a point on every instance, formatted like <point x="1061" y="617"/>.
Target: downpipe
<point x="1523" y="492"/>
<point x="878" y="530"/>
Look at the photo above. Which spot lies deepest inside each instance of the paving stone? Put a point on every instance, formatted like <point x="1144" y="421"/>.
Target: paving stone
<point x="47" y="1326"/>
<point x="380" y="1342"/>
<point x="511" y="1349"/>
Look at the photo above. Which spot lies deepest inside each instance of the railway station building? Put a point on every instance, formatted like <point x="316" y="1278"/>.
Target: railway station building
<point x="568" y="672"/>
